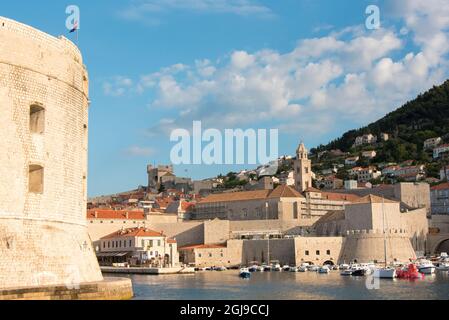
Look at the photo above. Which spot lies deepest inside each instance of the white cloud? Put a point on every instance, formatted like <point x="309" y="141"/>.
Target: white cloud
<point x="117" y="86"/>
<point x="353" y="74"/>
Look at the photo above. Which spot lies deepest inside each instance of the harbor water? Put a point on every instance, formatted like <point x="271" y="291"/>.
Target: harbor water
<point x="226" y="285"/>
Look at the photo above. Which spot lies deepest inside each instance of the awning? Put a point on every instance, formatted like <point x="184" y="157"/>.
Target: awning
<point x="111" y="254"/>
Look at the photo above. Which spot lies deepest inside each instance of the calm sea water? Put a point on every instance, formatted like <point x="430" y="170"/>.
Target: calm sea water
<point x="214" y="285"/>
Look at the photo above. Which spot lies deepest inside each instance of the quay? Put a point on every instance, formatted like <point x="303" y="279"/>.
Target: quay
<point x="146" y="270"/>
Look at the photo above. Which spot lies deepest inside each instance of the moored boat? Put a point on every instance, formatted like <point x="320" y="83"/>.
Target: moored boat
<point x="244" y="273"/>
<point x="324" y="269"/>
<point x="302" y="269"/>
<point x="410" y="272"/>
<point x="313" y="268"/>
<point x="426" y="267"/>
<point x="384" y="273"/>
<point x="294" y="269"/>
<point x="260" y="268"/>
<point x="286" y="268"/>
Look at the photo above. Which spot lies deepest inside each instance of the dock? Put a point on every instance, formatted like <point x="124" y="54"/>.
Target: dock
<point x="148" y="270"/>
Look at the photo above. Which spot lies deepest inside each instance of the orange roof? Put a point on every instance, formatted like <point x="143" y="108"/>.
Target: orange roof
<point x="371" y="198"/>
<point x="441" y="186"/>
<point x="335" y="196"/>
<point x="203" y="246"/>
<point x="187" y="205"/>
<point x="134" y="232"/>
<point x="312" y="189"/>
<point x="285" y="191"/>
<point x="236" y="196"/>
<point x="115" y="214"/>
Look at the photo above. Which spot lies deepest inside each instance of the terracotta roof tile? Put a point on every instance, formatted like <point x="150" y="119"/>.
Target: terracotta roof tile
<point x="441" y="186"/>
<point x="371" y="198"/>
<point x="115" y="214"/>
<point x="134" y="232"/>
<point x="236" y="196"/>
<point x="285" y="191"/>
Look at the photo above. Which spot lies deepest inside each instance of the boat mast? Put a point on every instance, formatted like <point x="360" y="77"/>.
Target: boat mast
<point x="268" y="254"/>
<point x="385" y="235"/>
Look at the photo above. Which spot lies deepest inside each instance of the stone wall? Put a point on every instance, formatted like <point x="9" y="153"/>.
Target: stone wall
<point x="44" y="240"/>
<point x="368" y="246"/>
<point x="318" y="250"/>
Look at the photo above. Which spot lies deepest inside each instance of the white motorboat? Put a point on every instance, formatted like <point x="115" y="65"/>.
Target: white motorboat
<point x="286" y="268"/>
<point x="267" y="268"/>
<point x="385" y="273"/>
<point x="221" y="269"/>
<point x="253" y="268"/>
<point x="344" y="266"/>
<point x="313" y="268"/>
<point x="346" y="272"/>
<point x="293" y="269"/>
<point x="276" y="267"/>
<point x="444" y="266"/>
<point x="244" y="273"/>
<point x="302" y="269"/>
<point x="324" y="269"/>
<point x="426" y="267"/>
<point x="260" y="268"/>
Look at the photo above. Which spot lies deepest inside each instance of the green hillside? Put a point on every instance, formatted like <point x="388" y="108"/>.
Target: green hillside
<point x="409" y="126"/>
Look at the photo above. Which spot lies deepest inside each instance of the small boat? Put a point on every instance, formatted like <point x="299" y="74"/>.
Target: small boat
<point x="346" y="272"/>
<point x="302" y="269"/>
<point x="358" y="272"/>
<point x="426" y="267"/>
<point x="385" y="273"/>
<point x="294" y="269"/>
<point x="286" y="268"/>
<point x="244" y="273"/>
<point x="335" y="267"/>
<point x="221" y="268"/>
<point x="266" y="268"/>
<point x="253" y="268"/>
<point x="410" y="272"/>
<point x="344" y="266"/>
<point x="443" y="266"/>
<point x="313" y="268"/>
<point x="276" y="267"/>
<point x="324" y="269"/>
<point x="260" y="268"/>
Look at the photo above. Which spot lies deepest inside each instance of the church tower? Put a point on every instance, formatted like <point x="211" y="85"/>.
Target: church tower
<point x="303" y="169"/>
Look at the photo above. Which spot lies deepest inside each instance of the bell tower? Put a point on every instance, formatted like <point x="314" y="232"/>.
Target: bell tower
<point x="303" y="169"/>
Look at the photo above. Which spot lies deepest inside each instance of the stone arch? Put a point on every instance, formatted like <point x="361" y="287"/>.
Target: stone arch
<point x="442" y="246"/>
<point x="329" y="262"/>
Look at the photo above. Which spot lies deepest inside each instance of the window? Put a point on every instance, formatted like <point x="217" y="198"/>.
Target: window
<point x="159" y="243"/>
<point x="210" y="255"/>
<point x="307" y="252"/>
<point x="130" y="244"/>
<point x="37" y="119"/>
<point x="143" y="243"/>
<point x="36" y="179"/>
<point x="199" y="255"/>
<point x="318" y="252"/>
<point x="328" y="252"/>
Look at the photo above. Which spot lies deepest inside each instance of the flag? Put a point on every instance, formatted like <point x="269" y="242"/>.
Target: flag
<point x="75" y="27"/>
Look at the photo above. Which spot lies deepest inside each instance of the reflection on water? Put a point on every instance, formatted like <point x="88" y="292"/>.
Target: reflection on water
<point x="227" y="285"/>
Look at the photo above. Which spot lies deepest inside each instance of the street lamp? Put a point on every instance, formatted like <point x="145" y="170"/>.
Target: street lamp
<point x="268" y="242"/>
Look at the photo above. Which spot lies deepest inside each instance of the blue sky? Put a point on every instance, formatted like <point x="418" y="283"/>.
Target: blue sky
<point x="309" y="68"/>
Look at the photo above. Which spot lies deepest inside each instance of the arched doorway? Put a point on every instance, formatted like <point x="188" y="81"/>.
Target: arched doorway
<point x="329" y="263"/>
<point x="443" y="246"/>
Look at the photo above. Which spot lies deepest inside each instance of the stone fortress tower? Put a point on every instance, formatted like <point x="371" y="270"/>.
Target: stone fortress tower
<point x="302" y="169"/>
<point x="43" y="164"/>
